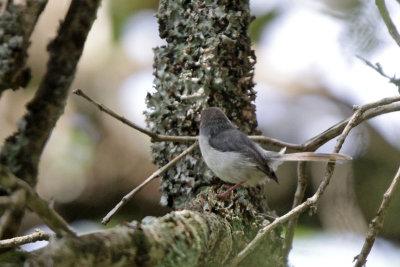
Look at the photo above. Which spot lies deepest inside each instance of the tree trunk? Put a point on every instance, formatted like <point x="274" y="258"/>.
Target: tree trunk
<point x="208" y="62"/>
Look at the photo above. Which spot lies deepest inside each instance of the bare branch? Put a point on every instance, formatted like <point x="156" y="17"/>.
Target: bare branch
<point x="310" y="202"/>
<point x="298" y="198"/>
<point x="377" y="223"/>
<point x="388" y="21"/>
<point x="154" y="136"/>
<point x="38" y="235"/>
<point x="310" y="145"/>
<point x="157" y="173"/>
<point x="383" y="106"/>
<point x="21" y="151"/>
<point x="378" y="68"/>
<point x="17" y="21"/>
<point x="35" y="203"/>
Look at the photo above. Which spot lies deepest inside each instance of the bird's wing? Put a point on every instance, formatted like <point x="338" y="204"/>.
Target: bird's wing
<point x="232" y="140"/>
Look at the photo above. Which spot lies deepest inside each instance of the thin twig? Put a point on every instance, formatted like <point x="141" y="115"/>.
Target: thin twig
<point x="310" y="145"/>
<point x="157" y="173"/>
<point x="378" y="68"/>
<point x="377" y="223"/>
<point x="17" y="201"/>
<point x="35" y="203"/>
<point x="154" y="136"/>
<point x="366" y="112"/>
<point x="298" y="198"/>
<point x="38" y="235"/>
<point x="378" y="109"/>
<point x="311" y="202"/>
<point x="388" y="21"/>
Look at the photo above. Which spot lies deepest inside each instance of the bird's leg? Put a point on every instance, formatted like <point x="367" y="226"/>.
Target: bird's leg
<point x="226" y="193"/>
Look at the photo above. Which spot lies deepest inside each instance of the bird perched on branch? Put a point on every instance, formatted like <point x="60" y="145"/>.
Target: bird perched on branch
<point x="236" y="159"/>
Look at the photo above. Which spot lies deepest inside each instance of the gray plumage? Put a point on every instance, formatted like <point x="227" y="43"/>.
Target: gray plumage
<point x="234" y="158"/>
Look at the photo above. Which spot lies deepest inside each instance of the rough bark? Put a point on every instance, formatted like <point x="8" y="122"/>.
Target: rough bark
<point x="21" y="151"/>
<point x="17" y="21"/>
<point x="208" y="62"/>
<point x="181" y="238"/>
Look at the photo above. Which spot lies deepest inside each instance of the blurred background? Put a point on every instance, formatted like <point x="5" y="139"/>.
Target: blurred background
<point x="308" y="78"/>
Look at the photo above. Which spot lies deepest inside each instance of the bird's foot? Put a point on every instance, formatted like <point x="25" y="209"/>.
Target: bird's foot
<point x="224" y="195"/>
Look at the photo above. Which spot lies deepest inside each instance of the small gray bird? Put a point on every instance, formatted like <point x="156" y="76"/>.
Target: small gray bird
<point x="236" y="159"/>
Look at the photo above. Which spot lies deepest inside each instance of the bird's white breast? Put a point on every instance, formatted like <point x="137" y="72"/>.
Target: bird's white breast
<point x="231" y="167"/>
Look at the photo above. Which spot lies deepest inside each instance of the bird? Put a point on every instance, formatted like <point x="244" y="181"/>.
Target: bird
<point x="236" y="159"/>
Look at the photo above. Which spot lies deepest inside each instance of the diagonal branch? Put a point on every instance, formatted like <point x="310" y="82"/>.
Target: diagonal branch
<point x="17" y="21"/>
<point x="378" y="68"/>
<point x="21" y="151"/>
<point x="298" y="198"/>
<point x="35" y="203"/>
<point x="312" y="201"/>
<point x="377" y="222"/>
<point x="388" y="21"/>
<point x="157" y="173"/>
<point x="154" y="136"/>
<point x="381" y="107"/>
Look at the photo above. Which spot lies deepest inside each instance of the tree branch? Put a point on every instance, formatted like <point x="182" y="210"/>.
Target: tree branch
<point x="38" y="235"/>
<point x="378" y="68"/>
<point x="180" y="238"/>
<point x="388" y="21"/>
<point x="298" y="199"/>
<point x="377" y="223"/>
<point x="21" y="151"/>
<point x="157" y="173"/>
<point x="311" y="202"/>
<point x="154" y="136"/>
<point x="381" y="107"/>
<point x="35" y="203"/>
<point x="17" y="21"/>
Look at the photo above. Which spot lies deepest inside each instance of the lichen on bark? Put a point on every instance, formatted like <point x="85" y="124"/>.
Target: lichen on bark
<point x="208" y="61"/>
<point x="17" y="21"/>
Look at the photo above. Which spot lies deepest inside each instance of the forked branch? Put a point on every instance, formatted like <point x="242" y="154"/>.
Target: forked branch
<point x="377" y="223"/>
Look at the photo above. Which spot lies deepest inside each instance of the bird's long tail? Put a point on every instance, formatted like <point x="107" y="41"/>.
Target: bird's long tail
<point x="310" y="156"/>
<point x="275" y="159"/>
